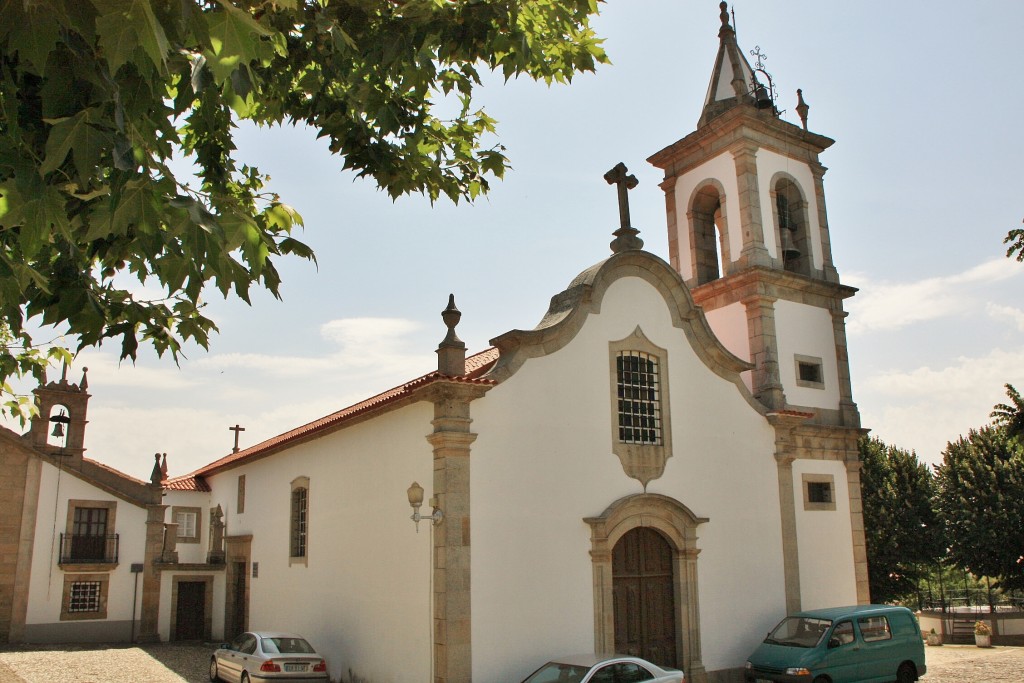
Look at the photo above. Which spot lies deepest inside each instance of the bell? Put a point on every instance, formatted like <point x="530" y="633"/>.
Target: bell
<point x="761" y="98"/>
<point x="789" y="250"/>
<point x="58" y="429"/>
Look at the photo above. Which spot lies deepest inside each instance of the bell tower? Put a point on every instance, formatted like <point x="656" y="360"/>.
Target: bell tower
<point x="748" y="232"/>
<point x="59" y="429"/>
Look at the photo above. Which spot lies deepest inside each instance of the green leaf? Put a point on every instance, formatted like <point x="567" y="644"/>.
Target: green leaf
<point x="234" y="40"/>
<point x="75" y="135"/>
<point x="126" y="25"/>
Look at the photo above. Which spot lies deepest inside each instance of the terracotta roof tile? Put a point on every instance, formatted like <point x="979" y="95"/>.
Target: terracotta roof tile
<point x="476" y="366"/>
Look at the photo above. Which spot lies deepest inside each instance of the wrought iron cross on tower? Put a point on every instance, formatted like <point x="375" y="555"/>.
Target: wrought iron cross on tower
<point x="626" y="235"/>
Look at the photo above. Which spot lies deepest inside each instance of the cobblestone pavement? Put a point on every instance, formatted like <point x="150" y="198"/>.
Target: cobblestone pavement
<point x="167" y="663"/>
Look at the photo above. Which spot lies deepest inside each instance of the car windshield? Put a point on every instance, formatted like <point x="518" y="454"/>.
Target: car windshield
<point x="287" y="646"/>
<point x="798" y="632"/>
<point x="557" y="672"/>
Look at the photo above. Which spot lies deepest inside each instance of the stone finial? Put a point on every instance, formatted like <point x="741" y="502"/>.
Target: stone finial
<point x="626" y="237"/>
<point x="163" y="468"/>
<point x="84" y="384"/>
<point x="451" y="352"/>
<point x="801" y="107"/>
<point x="724" y="16"/>
<point x="157" y="474"/>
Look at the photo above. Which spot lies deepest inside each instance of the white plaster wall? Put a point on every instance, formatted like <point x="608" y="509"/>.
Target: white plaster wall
<point x="543" y="462"/>
<point x="364" y="598"/>
<point x="723" y="169"/>
<point x="768" y="164"/>
<point x="730" y="326"/>
<point x="827" y="577"/>
<point x="807" y="331"/>
<point x="191" y="552"/>
<point x="46" y="585"/>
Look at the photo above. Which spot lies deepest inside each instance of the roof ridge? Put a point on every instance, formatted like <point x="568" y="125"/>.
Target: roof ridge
<point x="477" y="366"/>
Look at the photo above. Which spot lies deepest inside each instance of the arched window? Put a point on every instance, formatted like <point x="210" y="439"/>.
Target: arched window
<point x="709" y="247"/>
<point x="299" y="536"/>
<point x="791" y="227"/>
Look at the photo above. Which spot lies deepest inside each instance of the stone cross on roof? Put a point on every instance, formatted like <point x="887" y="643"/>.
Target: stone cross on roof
<point x="236" y="429"/>
<point x="626" y="235"/>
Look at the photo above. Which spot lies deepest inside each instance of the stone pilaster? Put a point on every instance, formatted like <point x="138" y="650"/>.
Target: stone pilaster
<point x="149" y="618"/>
<point x="750" y="222"/>
<point x="831" y="274"/>
<point x="860" y="553"/>
<point x="766" y="382"/>
<point x="848" y="409"/>
<point x="784" y="425"/>
<point x="451" y="441"/>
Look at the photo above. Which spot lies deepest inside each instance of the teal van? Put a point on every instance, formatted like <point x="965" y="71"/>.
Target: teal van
<point x="859" y="644"/>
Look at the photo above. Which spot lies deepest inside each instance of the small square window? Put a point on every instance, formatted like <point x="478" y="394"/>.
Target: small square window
<point x="809" y="372"/>
<point x="85" y="596"/>
<point x="188" y="521"/>
<point x="819" y="492"/>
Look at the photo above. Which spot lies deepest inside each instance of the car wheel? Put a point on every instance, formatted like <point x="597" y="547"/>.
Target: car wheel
<point x="213" y="670"/>
<point x="822" y="679"/>
<point x="905" y="674"/>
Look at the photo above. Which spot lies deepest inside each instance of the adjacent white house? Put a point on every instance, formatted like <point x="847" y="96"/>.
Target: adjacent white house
<point x="664" y="466"/>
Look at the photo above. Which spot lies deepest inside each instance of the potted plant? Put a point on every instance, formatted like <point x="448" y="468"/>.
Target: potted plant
<point x="982" y="634"/>
<point x="933" y="638"/>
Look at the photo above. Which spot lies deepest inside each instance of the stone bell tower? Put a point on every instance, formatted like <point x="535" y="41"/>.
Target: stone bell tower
<point x="59" y="429"/>
<point x="748" y="232"/>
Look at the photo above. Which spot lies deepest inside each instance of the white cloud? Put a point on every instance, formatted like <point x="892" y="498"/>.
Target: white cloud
<point x="924" y="408"/>
<point x="1015" y="316"/>
<point x="882" y="305"/>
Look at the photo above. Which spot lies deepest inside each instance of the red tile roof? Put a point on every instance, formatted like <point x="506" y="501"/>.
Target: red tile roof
<point x="476" y="366"/>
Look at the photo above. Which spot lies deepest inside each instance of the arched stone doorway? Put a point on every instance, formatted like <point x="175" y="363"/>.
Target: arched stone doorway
<point x="675" y="527"/>
<point x="644" y="602"/>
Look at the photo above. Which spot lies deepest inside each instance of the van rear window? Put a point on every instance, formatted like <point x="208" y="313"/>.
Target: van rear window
<point x="874" y="628"/>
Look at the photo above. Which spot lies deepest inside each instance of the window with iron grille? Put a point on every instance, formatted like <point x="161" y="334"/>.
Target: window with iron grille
<point x="639" y="397"/>
<point x="300" y="510"/>
<point x="85" y="596"/>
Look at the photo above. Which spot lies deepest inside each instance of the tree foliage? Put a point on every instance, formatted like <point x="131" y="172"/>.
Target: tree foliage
<point x="1010" y="416"/>
<point x="981" y="502"/>
<point x="902" y="532"/>
<point x="1015" y="238"/>
<point x="97" y="97"/>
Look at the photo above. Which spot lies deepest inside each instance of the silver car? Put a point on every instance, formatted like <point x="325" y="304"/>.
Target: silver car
<point x="603" y="669"/>
<point x="254" y="657"/>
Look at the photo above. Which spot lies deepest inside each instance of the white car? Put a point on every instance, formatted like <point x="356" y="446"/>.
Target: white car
<point x="603" y="669"/>
<point x="258" y="656"/>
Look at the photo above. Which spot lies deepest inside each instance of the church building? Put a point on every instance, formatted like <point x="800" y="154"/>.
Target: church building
<point x="664" y="466"/>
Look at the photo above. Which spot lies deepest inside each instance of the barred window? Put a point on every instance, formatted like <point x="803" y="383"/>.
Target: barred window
<point x="639" y="397"/>
<point x="300" y="511"/>
<point x="85" y="596"/>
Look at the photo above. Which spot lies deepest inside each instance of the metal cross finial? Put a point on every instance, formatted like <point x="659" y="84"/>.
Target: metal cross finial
<point x="236" y="429"/>
<point x="626" y="235"/>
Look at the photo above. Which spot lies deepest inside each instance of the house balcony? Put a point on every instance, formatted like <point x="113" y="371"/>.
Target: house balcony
<point x="78" y="549"/>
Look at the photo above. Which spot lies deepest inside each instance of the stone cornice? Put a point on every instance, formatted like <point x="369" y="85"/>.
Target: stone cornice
<point x="737" y="126"/>
<point x="773" y="284"/>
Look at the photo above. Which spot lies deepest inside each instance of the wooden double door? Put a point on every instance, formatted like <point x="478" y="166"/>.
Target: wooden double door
<point x="643" y="582"/>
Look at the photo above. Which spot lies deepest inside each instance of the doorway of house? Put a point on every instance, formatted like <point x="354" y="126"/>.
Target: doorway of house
<point x="643" y="583"/>
<point x="190" y="615"/>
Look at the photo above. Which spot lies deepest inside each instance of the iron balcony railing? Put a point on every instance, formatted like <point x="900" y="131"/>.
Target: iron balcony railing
<point x="78" y="549"/>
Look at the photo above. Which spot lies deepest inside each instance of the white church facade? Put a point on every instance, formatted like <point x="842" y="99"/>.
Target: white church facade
<point x="664" y="466"/>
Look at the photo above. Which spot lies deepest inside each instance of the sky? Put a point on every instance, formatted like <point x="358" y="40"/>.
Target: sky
<point x="925" y="103"/>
